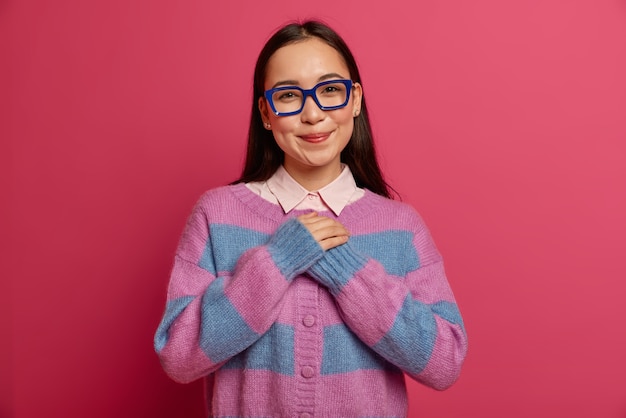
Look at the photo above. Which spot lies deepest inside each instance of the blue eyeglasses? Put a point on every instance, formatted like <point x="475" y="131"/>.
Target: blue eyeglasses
<point x="328" y="95"/>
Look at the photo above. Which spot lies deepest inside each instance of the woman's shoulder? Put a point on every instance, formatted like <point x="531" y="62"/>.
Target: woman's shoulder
<point x="216" y="196"/>
<point x="236" y="201"/>
<point x="220" y="199"/>
<point x="220" y="192"/>
<point x="390" y="211"/>
<point x="388" y="204"/>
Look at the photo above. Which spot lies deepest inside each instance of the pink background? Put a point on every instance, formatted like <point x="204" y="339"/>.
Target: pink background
<point x="502" y="122"/>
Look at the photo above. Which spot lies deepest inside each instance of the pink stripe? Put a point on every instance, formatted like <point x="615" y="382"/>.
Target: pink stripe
<point x="194" y="237"/>
<point x="258" y="392"/>
<point x="429" y="284"/>
<point x="258" y="290"/>
<point x="377" y="394"/>
<point x="404" y="216"/>
<point x="329" y="314"/>
<point x="228" y="210"/>
<point x="187" y="279"/>
<point x="425" y="247"/>
<point x="182" y="358"/>
<point x="371" y="301"/>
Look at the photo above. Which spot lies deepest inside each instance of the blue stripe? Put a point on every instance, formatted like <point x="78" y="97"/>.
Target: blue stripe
<point x="337" y="267"/>
<point x="224" y="332"/>
<point x="293" y="248"/>
<point x="409" y="343"/>
<point x="274" y="351"/>
<point x="172" y="310"/>
<point x="393" y="249"/>
<point x="344" y="352"/>
<point x="233" y="242"/>
<point x="448" y="311"/>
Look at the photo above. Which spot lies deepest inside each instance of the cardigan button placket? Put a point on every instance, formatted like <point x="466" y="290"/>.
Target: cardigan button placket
<point x="308" y="346"/>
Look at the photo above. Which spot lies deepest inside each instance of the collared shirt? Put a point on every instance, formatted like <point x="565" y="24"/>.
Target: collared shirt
<point x="283" y="190"/>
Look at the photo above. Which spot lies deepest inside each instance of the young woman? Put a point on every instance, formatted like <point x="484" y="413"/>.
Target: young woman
<point x="302" y="289"/>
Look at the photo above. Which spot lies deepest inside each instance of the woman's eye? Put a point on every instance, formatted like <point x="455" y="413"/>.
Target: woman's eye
<point x="287" y="95"/>
<point x="332" y="89"/>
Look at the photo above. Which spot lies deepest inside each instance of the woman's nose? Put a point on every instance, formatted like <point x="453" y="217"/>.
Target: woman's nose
<point x="311" y="113"/>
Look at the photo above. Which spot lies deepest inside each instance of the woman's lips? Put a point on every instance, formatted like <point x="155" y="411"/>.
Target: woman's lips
<point x="314" y="138"/>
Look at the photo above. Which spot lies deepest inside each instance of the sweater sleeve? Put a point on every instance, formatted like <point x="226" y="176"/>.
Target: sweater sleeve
<point x="212" y="315"/>
<point x="407" y="315"/>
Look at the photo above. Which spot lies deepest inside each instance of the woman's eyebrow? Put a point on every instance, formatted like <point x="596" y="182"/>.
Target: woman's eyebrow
<point x="330" y="76"/>
<point x="286" y="83"/>
<point x="297" y="83"/>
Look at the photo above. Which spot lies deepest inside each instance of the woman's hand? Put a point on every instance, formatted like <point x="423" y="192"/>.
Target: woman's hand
<point x="326" y="231"/>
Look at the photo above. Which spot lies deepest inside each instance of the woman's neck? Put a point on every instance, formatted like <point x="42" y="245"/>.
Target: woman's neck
<point x="314" y="178"/>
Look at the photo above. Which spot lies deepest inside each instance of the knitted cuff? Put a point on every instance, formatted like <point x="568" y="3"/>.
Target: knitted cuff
<point x="337" y="267"/>
<point x="293" y="248"/>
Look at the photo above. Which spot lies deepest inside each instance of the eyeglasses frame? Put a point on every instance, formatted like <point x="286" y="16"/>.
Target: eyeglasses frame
<point x="310" y="92"/>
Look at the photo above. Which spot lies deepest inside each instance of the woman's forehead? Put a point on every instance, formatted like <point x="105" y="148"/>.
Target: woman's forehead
<point x="305" y="62"/>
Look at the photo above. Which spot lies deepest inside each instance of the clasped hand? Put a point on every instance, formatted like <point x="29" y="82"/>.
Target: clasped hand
<point x="328" y="232"/>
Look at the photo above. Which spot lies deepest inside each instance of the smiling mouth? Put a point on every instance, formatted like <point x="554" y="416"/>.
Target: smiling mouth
<point x="314" y="138"/>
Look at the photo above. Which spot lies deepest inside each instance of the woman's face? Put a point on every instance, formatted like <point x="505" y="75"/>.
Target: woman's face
<point x="313" y="139"/>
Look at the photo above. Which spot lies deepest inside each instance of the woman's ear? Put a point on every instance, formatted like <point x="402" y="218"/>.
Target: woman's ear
<point x="264" y="113"/>
<point x="357" y="96"/>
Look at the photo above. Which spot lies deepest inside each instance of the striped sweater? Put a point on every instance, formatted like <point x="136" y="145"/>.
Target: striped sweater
<point x="278" y="327"/>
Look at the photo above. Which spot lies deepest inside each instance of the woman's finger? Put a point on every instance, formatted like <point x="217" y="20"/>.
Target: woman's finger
<point x="326" y="231"/>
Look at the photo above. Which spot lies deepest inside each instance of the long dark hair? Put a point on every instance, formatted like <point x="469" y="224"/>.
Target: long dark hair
<point x="263" y="156"/>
